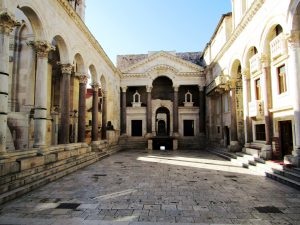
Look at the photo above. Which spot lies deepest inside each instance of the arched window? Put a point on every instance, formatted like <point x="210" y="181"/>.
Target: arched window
<point x="188" y="99"/>
<point x="136" y="99"/>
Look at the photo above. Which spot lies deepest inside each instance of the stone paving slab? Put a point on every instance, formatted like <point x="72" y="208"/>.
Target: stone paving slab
<point x="158" y="188"/>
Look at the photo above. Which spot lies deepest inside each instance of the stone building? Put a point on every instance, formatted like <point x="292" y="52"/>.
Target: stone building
<point x="252" y="80"/>
<point x="163" y="98"/>
<point x="241" y="92"/>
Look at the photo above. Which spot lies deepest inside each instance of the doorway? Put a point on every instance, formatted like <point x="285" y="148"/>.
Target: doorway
<point x="226" y="136"/>
<point x="162" y="122"/>
<point x="136" y="128"/>
<point x="188" y="127"/>
<point x="286" y="137"/>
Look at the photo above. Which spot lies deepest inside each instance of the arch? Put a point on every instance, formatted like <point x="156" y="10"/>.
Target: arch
<point x="93" y="74"/>
<point x="162" y="70"/>
<point x="267" y="33"/>
<point x="60" y="43"/>
<point x="38" y="26"/>
<point x="235" y="69"/>
<point x="79" y="63"/>
<point x="293" y="15"/>
<point x="162" y="88"/>
<point x="250" y="51"/>
<point x="103" y="83"/>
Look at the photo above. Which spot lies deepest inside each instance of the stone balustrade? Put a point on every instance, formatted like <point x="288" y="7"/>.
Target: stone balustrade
<point x="278" y="46"/>
<point x="255" y="63"/>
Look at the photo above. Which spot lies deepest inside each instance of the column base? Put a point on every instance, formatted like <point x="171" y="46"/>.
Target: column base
<point x="175" y="134"/>
<point x="150" y="145"/>
<point x="234" y="146"/>
<point x="293" y="159"/>
<point x="266" y="152"/>
<point x="175" y="144"/>
<point x="148" y="135"/>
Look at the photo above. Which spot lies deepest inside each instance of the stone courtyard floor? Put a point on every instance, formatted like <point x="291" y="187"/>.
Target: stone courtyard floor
<point x="140" y="188"/>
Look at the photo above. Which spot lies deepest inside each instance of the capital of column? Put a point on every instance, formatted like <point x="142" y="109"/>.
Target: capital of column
<point x="232" y="83"/>
<point x="201" y="88"/>
<point x="294" y="39"/>
<point x="42" y="48"/>
<point x="148" y="88"/>
<point x="95" y="86"/>
<point x="7" y="22"/>
<point x="246" y="73"/>
<point x="124" y="88"/>
<point x="83" y="78"/>
<point x="176" y="88"/>
<point x="265" y="60"/>
<point x="66" y="68"/>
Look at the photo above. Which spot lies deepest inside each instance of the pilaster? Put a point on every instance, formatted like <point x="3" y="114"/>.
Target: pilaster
<point x="83" y="78"/>
<point x="294" y="71"/>
<point x="65" y="107"/>
<point x="123" y="111"/>
<point x="149" y="110"/>
<point x="42" y="48"/>
<point x="95" y="87"/>
<point x="201" y="110"/>
<point x="7" y="23"/>
<point x="175" y="110"/>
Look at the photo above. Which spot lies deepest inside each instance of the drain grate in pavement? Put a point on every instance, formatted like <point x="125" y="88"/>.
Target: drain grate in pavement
<point x="99" y="175"/>
<point x="67" y="206"/>
<point x="230" y="176"/>
<point x="268" y="209"/>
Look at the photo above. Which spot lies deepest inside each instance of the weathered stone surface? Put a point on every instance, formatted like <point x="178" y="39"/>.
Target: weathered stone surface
<point x="31" y="162"/>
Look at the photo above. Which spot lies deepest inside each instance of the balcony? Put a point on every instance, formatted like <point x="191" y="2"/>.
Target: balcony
<point x="255" y="64"/>
<point x="256" y="109"/>
<point x="218" y="84"/>
<point x="278" y="46"/>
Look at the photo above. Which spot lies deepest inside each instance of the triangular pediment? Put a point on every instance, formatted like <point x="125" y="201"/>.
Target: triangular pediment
<point x="163" y="60"/>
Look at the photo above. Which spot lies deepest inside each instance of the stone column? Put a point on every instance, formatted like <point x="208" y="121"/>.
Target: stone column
<point x="95" y="87"/>
<point x="65" y="103"/>
<point x="267" y="149"/>
<point x="149" y="111"/>
<point x="123" y="112"/>
<point x="42" y="49"/>
<point x="104" y="113"/>
<point x="294" y="71"/>
<point x="83" y="78"/>
<point x="7" y="22"/>
<point x="175" y="111"/>
<point x="201" y="110"/>
<point x="234" y="145"/>
<point x="247" y="99"/>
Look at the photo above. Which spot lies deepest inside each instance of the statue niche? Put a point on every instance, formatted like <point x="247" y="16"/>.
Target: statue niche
<point x="136" y="99"/>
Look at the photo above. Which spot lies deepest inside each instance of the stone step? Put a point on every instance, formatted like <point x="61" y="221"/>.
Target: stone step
<point x="46" y="172"/>
<point x="284" y="180"/>
<point x="45" y="180"/>
<point x="288" y="174"/>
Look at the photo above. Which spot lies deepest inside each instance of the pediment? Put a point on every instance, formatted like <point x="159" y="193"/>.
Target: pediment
<point x="163" y="61"/>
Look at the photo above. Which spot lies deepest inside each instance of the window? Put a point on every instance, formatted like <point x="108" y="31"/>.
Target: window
<point x="258" y="89"/>
<point x="281" y="77"/>
<point x="218" y="129"/>
<point x="260" y="132"/>
<point x="278" y="30"/>
<point x="226" y="103"/>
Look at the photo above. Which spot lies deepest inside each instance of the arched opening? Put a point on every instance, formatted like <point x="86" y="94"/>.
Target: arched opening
<point x="162" y="88"/>
<point x="237" y="102"/>
<point x="162" y="121"/>
<point x="21" y="91"/>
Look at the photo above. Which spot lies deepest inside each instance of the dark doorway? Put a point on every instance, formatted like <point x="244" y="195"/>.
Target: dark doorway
<point x="226" y="136"/>
<point x="188" y="127"/>
<point x="286" y="137"/>
<point x="136" y="128"/>
<point x="162" y="122"/>
<point x="161" y="129"/>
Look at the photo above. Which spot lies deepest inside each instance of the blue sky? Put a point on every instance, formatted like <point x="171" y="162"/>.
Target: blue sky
<point x="139" y="26"/>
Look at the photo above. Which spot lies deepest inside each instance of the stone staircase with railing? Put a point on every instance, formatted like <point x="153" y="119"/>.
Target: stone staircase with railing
<point x="285" y="174"/>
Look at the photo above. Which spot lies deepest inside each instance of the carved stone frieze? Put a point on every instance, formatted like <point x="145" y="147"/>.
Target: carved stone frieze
<point x="7" y="22"/>
<point x="66" y="68"/>
<point x="42" y="48"/>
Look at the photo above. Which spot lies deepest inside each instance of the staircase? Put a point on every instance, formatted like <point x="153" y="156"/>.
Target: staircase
<point x="132" y="143"/>
<point x="56" y="165"/>
<point x="190" y="143"/>
<point x="277" y="171"/>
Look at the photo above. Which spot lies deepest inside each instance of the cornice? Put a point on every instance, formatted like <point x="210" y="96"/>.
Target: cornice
<point x="180" y="74"/>
<point x="167" y="55"/>
<point x="256" y="5"/>
<point x="81" y="25"/>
